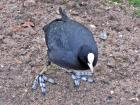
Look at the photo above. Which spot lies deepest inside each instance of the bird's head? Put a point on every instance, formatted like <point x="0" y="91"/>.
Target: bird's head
<point x="88" y="56"/>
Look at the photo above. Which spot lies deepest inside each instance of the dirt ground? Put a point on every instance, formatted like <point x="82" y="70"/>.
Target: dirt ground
<point x="23" y="50"/>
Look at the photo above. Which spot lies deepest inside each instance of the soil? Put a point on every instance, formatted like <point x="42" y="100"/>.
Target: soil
<point x="23" y="51"/>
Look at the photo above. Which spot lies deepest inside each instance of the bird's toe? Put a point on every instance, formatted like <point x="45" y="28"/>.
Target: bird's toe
<point x="35" y="83"/>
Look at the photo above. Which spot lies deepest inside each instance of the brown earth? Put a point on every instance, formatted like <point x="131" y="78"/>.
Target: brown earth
<point x="23" y="50"/>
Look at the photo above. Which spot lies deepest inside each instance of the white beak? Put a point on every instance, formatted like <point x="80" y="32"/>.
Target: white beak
<point x="90" y="58"/>
<point x="90" y="66"/>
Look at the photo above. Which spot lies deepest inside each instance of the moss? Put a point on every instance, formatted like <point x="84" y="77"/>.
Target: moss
<point x="118" y="1"/>
<point x="134" y="2"/>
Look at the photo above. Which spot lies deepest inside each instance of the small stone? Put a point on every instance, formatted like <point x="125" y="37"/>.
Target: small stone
<point x="23" y="51"/>
<point x="2" y="66"/>
<point x="83" y="4"/>
<point x="103" y="35"/>
<point x="31" y="31"/>
<point x="90" y="80"/>
<point x="112" y="92"/>
<point x="1" y="36"/>
<point x="51" y="80"/>
<point x="75" y="13"/>
<point x="92" y="26"/>
<point x="109" y="97"/>
<point x="135" y="99"/>
<point x="29" y="3"/>
<point x="43" y="39"/>
<point x="136" y="51"/>
<point x="25" y="90"/>
<point x="120" y="36"/>
<point x="9" y="41"/>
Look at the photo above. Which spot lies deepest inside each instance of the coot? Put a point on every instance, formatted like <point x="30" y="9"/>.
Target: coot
<point x="70" y="45"/>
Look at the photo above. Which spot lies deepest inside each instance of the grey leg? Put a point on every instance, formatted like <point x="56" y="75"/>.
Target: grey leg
<point x="77" y="76"/>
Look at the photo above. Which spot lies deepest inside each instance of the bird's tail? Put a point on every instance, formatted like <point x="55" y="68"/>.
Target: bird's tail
<point x="63" y="14"/>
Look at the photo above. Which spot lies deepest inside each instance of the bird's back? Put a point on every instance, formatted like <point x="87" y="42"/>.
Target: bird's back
<point x="64" y="38"/>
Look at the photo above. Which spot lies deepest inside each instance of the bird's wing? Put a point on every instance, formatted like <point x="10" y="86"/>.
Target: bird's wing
<point x="56" y="37"/>
<point x="64" y="58"/>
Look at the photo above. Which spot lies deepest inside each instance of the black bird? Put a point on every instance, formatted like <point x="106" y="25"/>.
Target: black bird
<point x="70" y="45"/>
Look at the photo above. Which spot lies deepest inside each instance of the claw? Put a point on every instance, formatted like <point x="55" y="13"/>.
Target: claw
<point x="35" y="83"/>
<point x="77" y="82"/>
<point x="43" y="88"/>
<point x="73" y="77"/>
<point x="44" y="77"/>
<point x="41" y="79"/>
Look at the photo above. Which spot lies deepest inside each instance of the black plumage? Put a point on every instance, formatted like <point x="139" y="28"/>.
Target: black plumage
<point x="69" y="42"/>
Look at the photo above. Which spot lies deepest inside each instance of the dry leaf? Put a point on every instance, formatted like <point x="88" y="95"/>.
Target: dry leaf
<point x="28" y="23"/>
<point x="16" y="28"/>
<point x="18" y="61"/>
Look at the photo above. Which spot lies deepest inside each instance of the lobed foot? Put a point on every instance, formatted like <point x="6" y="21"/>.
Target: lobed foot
<point x="77" y="76"/>
<point x="41" y="80"/>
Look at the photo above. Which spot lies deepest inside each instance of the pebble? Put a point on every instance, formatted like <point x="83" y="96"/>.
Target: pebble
<point x="103" y="35"/>
<point x="29" y="3"/>
<point x="135" y="99"/>
<point x="10" y="41"/>
<point x="75" y="13"/>
<point x="26" y="90"/>
<point x="112" y="92"/>
<point x="90" y="80"/>
<point x="136" y="51"/>
<point x="2" y="66"/>
<point x="109" y="97"/>
<point x="83" y="4"/>
<point x="1" y="36"/>
<point x="50" y="80"/>
<point x="120" y="36"/>
<point x="92" y="26"/>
